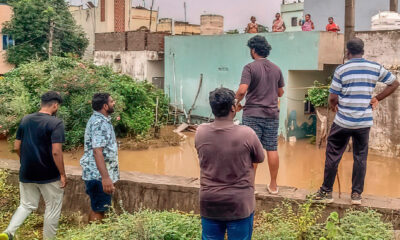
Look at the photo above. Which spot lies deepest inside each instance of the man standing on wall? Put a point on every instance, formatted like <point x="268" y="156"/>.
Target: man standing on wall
<point x="228" y="156"/>
<point x="263" y="82"/>
<point x="100" y="160"/>
<point x="39" y="145"/>
<point x="351" y="97"/>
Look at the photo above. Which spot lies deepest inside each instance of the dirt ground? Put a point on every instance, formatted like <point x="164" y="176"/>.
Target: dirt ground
<point x="165" y="137"/>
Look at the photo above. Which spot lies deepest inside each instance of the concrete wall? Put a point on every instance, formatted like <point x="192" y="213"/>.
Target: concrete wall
<point x="383" y="47"/>
<point x="136" y="191"/>
<point x="138" y="54"/>
<point x="86" y="19"/>
<point x="155" y="69"/>
<point x="6" y="14"/>
<point x="221" y="60"/>
<point x="132" y="63"/>
<point x="320" y="10"/>
<point x="289" y="11"/>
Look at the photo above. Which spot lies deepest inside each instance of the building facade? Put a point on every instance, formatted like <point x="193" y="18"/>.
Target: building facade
<point x="5" y="40"/>
<point x="168" y="25"/>
<point x="291" y="13"/>
<point x="143" y="19"/>
<point x="321" y="10"/>
<point x="304" y="57"/>
<point x="86" y="18"/>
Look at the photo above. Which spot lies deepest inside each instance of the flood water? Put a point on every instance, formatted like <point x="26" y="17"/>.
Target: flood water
<point x="301" y="166"/>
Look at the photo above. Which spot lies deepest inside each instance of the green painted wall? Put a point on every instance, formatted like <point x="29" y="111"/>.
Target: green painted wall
<point x="221" y="60"/>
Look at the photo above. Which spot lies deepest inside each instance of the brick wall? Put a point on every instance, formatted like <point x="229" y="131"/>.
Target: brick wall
<point x="130" y="41"/>
<point x="103" y="10"/>
<point x="110" y="42"/>
<point x="119" y="15"/>
<point x="136" y="41"/>
<point x="155" y="41"/>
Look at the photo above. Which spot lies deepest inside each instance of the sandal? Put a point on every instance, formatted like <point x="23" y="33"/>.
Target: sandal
<point x="273" y="192"/>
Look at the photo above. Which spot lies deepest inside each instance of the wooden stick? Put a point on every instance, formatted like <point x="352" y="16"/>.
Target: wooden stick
<point x="338" y="180"/>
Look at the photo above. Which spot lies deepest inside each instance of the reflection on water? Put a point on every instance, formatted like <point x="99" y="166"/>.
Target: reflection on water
<point x="301" y="166"/>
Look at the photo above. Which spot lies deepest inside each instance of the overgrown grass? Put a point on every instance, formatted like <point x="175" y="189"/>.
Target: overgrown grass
<point x="33" y="225"/>
<point x="287" y="221"/>
<point x="142" y="225"/>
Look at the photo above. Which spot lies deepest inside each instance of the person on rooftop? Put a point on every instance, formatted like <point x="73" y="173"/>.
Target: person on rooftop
<point x="278" y="24"/>
<point x="307" y="24"/>
<point x="252" y="27"/>
<point x="332" y="26"/>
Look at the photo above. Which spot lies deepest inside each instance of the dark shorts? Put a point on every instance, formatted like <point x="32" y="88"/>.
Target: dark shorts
<point x="266" y="130"/>
<point x="99" y="200"/>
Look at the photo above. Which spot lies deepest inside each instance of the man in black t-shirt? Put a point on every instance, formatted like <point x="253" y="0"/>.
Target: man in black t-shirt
<point x="39" y="144"/>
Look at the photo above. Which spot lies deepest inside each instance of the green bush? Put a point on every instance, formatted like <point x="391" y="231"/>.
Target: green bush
<point x="301" y="223"/>
<point x="142" y="225"/>
<point x="77" y="81"/>
<point x="358" y="225"/>
<point x="287" y="222"/>
<point x="318" y="95"/>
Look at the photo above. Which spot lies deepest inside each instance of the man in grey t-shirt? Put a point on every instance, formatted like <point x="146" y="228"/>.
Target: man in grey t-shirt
<point x="263" y="82"/>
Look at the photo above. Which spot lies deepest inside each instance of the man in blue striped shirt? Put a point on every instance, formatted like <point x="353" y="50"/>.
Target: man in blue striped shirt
<point x="351" y="97"/>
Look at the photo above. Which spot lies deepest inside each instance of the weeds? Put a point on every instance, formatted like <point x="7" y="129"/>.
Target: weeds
<point x="289" y="221"/>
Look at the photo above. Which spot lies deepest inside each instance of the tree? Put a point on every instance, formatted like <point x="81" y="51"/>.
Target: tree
<point x="30" y="29"/>
<point x="262" y="28"/>
<point x="234" y="31"/>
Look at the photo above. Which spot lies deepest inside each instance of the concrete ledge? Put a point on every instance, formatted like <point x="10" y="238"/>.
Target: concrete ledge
<point x="138" y="190"/>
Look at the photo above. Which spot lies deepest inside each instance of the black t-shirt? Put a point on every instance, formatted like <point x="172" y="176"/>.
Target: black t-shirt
<point x="37" y="132"/>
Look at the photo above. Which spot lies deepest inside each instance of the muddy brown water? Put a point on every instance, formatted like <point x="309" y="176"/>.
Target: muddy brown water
<point x="301" y="166"/>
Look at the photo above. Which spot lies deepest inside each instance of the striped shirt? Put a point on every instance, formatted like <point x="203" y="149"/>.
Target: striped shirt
<point x="354" y="82"/>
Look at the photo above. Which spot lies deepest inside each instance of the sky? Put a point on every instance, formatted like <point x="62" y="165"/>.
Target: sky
<point x="236" y="13"/>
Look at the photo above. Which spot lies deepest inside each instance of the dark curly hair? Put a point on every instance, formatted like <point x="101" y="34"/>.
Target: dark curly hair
<point x="260" y="45"/>
<point x="355" y="46"/>
<point x="221" y="101"/>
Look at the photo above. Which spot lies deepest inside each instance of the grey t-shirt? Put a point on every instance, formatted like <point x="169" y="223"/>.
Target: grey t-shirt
<point x="226" y="154"/>
<point x="264" y="79"/>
